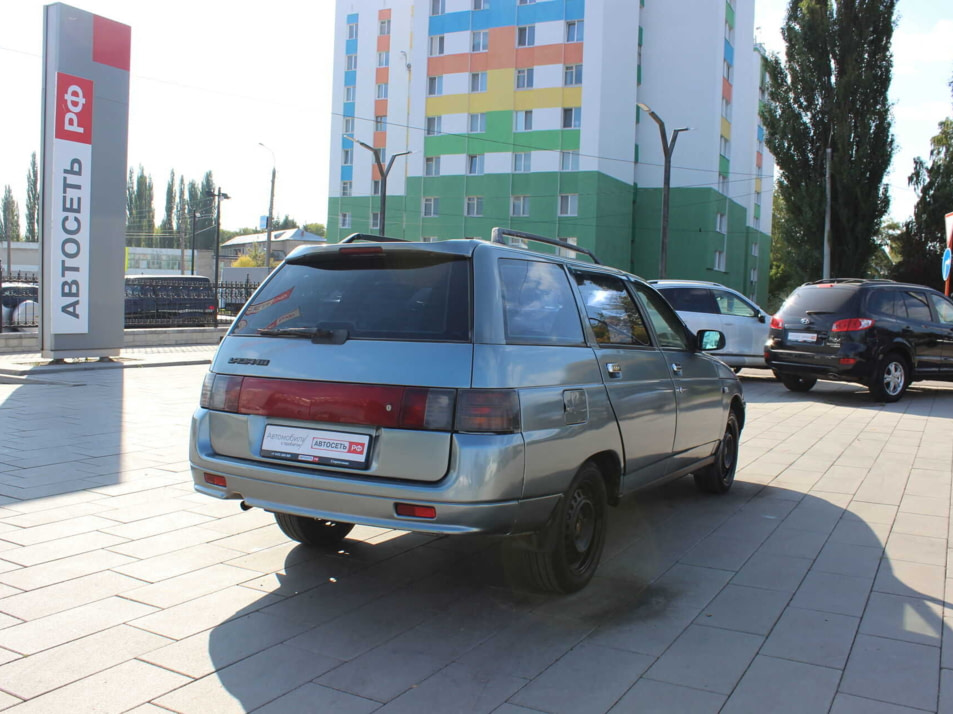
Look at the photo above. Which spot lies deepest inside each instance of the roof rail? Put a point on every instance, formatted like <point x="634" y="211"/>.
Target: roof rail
<point x="849" y="280"/>
<point x="497" y="235"/>
<point x="355" y="237"/>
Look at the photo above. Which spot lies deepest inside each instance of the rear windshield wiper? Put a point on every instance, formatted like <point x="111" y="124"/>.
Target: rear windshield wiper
<point x="316" y="334"/>
<point x="818" y="312"/>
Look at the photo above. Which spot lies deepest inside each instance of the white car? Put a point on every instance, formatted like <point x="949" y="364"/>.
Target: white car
<point x="713" y="306"/>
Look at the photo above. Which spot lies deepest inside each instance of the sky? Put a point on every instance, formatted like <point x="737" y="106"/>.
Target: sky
<point x="210" y="83"/>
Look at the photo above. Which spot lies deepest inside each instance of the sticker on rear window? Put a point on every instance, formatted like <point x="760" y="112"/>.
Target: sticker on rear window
<point x="259" y="306"/>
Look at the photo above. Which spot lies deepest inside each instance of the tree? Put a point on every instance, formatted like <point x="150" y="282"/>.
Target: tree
<point x="316" y="228"/>
<point x="140" y="209"/>
<point x="254" y="258"/>
<point x="9" y="217"/>
<point x="832" y="92"/>
<point x="168" y="223"/>
<point x="32" y="201"/>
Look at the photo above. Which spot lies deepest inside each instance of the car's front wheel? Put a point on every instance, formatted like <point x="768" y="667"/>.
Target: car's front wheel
<point x="890" y="378"/>
<point x="718" y="477"/>
<point x="797" y="384"/>
<point x="312" y="531"/>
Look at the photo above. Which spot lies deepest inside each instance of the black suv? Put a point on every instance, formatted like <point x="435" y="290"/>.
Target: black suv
<point x="876" y="332"/>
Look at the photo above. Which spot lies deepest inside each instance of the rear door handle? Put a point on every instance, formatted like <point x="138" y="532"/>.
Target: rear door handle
<point x="614" y="369"/>
<point x="676" y="369"/>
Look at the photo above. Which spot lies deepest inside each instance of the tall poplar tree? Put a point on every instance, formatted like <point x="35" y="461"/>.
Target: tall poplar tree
<point x="831" y="91"/>
<point x="32" y="201"/>
<point x="140" y="209"/>
<point x="168" y="222"/>
<point x="9" y="217"/>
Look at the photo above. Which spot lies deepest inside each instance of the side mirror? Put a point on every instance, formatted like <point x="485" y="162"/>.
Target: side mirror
<point x="709" y="340"/>
<point x="761" y="317"/>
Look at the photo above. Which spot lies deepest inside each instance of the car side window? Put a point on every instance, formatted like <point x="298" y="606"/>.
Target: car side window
<point x="613" y="314"/>
<point x="917" y="307"/>
<point x="668" y="327"/>
<point x="730" y="304"/>
<point x="691" y="299"/>
<point x="944" y="309"/>
<point x="538" y="304"/>
<point x="884" y="302"/>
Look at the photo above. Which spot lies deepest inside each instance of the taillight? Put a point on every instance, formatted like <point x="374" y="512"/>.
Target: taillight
<point x="488" y="410"/>
<point x="220" y="392"/>
<point x="852" y="324"/>
<point x="430" y="409"/>
<point x="777" y="323"/>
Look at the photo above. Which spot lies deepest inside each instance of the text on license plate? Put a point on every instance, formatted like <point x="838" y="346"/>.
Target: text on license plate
<point x="333" y="448"/>
<point x="802" y="337"/>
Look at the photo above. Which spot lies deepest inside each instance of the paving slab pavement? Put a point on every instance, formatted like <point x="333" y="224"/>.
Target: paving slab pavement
<point x="818" y="584"/>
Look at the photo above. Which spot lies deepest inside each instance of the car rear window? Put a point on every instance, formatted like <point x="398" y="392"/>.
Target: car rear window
<point x="396" y="295"/>
<point x="828" y="299"/>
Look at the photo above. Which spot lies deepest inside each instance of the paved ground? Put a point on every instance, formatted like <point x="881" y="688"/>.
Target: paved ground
<point x="817" y="585"/>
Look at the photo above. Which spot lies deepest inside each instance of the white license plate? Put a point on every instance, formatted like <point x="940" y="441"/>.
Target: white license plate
<point x="802" y="337"/>
<point x="315" y="446"/>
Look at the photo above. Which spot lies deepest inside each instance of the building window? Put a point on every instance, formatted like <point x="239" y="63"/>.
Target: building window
<point x="384" y="27"/>
<point x="754" y="250"/>
<point x="572" y="117"/>
<point x="381" y="154"/>
<point x="569" y="204"/>
<point x="436" y="45"/>
<point x="729" y="33"/>
<point x="720" y="260"/>
<point x="345" y="189"/>
<point x="383" y="59"/>
<point x="434" y="86"/>
<point x="519" y="206"/>
<point x="344" y="220"/>
<point x="480" y="41"/>
<point x="376" y="187"/>
<point x="475" y="164"/>
<point x="348" y="125"/>
<point x="726" y="109"/>
<point x="376" y="220"/>
<point x="347" y="156"/>
<point x="524" y="120"/>
<point x="757" y="198"/>
<point x="753" y="275"/>
<point x="380" y="122"/>
<point x="757" y="223"/>
<point x="727" y="70"/>
<point x="350" y="62"/>
<point x="433" y="126"/>
<point x="575" y="31"/>
<point x="525" y="2"/>
<point x="474" y="206"/>
<point x="432" y="166"/>
<point x="526" y="36"/>
<point x="723" y="184"/>
<point x="352" y="31"/>
<point x="478" y="82"/>
<point x="724" y="147"/>
<point x="524" y="78"/>
<point x="566" y="252"/>
<point x="568" y="160"/>
<point x="382" y="91"/>
<point x="428" y="239"/>
<point x="481" y="4"/>
<point x="522" y="162"/>
<point x="477" y="123"/>
<point x="438" y="7"/>
<point x="572" y="75"/>
<point x="349" y="93"/>
<point x="721" y="223"/>
<point x="431" y="206"/>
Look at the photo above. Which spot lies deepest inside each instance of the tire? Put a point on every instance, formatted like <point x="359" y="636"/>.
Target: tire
<point x="720" y="475"/>
<point x="890" y="379"/>
<point x="795" y="383"/>
<point x="573" y="539"/>
<point x="312" y="531"/>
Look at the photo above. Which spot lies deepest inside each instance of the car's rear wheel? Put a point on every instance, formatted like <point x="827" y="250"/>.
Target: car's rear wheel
<point x="797" y="384"/>
<point x="312" y="531"/>
<point x="890" y="379"/>
<point x="573" y="539"/>
<point x="718" y="476"/>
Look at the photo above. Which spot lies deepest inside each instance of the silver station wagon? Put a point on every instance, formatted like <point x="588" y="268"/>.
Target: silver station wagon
<point x="462" y="386"/>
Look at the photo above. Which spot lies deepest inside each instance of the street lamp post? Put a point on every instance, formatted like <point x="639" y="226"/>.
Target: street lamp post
<point x="383" y="172"/>
<point x="668" y="148"/>
<point x="219" y="195"/>
<point x="271" y="209"/>
<point x="194" y="216"/>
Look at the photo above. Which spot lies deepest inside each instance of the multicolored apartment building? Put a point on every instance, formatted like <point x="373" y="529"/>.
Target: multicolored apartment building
<point x="525" y="114"/>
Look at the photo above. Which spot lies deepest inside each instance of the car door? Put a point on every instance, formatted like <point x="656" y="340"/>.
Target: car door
<point x="943" y="311"/>
<point x="698" y="388"/>
<point x="744" y="325"/>
<point x="635" y="373"/>
<point x="927" y="337"/>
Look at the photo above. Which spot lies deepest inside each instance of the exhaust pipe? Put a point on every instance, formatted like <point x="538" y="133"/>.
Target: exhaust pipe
<point x="245" y="506"/>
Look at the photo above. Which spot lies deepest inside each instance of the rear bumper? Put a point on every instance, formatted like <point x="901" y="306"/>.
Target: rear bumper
<point x="818" y="366"/>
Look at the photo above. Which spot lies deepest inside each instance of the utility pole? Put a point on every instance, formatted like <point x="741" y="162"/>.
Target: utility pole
<point x="219" y="195"/>
<point x="194" y="216"/>
<point x="271" y="209"/>
<point x="826" y="273"/>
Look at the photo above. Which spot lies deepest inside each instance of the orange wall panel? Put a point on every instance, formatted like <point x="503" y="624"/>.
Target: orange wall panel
<point x="380" y="107"/>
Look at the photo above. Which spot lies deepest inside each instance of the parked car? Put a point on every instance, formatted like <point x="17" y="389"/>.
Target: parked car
<point x="461" y="386"/>
<point x="169" y="301"/>
<point x="713" y="306"/>
<point x="20" y="304"/>
<point x="879" y="333"/>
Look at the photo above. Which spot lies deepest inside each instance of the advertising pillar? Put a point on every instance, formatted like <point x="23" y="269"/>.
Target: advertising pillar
<point x="83" y="213"/>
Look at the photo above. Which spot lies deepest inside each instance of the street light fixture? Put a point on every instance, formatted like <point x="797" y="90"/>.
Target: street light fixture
<point x="384" y="172"/>
<point x="271" y="209"/>
<point x="668" y="147"/>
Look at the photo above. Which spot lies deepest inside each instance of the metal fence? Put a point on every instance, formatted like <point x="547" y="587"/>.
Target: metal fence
<point x="232" y="296"/>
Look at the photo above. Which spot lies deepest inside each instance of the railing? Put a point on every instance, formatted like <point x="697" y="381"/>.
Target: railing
<point x="19" y="297"/>
<point x="232" y="296"/>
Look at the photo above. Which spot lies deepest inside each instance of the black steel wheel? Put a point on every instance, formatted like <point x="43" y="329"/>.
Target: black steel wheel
<point x="574" y="538"/>
<point x="795" y="383"/>
<point x="312" y="531"/>
<point x="719" y="475"/>
<point x="890" y="379"/>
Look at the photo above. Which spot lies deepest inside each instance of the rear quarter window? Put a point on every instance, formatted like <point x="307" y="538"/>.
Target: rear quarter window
<point x="538" y="303"/>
